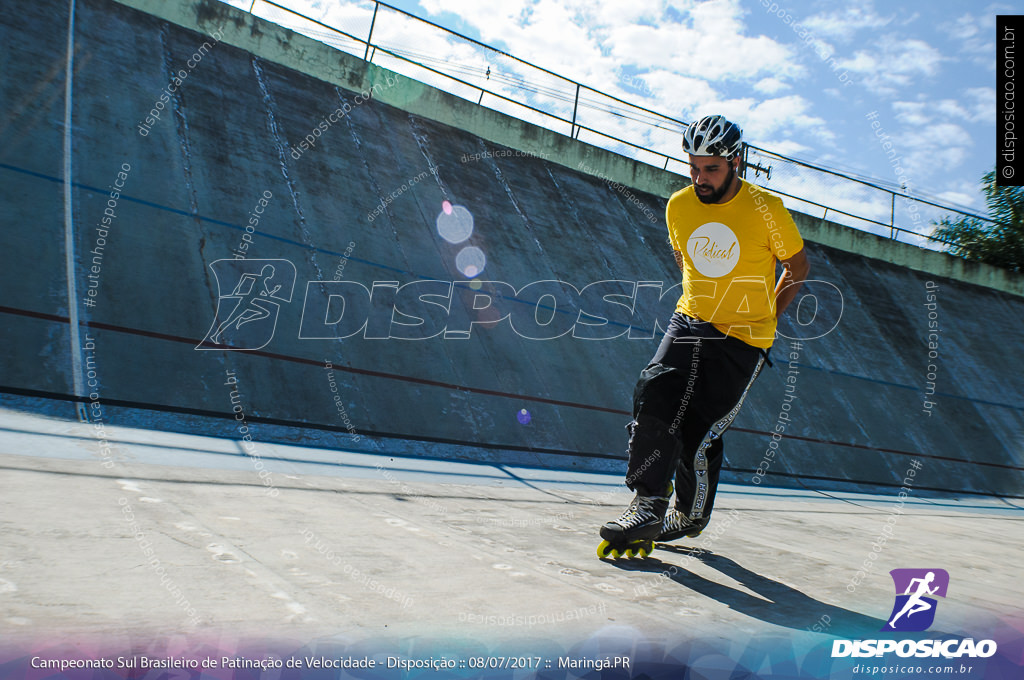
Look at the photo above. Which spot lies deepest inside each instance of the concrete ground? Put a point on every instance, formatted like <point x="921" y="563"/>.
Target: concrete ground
<point x="177" y="535"/>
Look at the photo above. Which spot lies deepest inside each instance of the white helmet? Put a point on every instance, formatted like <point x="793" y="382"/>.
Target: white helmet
<point x="713" y="136"/>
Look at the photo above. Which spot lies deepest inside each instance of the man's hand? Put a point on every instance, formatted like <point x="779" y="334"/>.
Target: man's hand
<point x="794" y="273"/>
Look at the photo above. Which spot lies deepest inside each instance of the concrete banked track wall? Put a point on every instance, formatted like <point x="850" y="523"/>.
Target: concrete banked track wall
<point x="226" y="137"/>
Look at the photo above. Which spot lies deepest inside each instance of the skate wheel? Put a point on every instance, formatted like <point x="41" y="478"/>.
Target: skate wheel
<point x="637" y="549"/>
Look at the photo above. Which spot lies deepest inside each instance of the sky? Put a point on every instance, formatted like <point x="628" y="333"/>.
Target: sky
<point x="901" y="93"/>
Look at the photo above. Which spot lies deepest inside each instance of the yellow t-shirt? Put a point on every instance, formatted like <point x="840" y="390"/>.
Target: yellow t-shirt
<point x="729" y="255"/>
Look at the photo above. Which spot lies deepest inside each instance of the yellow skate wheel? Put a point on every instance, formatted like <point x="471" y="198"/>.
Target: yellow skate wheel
<point x="628" y="554"/>
<point x="616" y="554"/>
<point x="645" y="549"/>
<point x="604" y="550"/>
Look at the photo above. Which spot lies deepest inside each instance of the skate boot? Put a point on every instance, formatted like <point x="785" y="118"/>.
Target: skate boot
<point x="677" y="525"/>
<point x="633" y="533"/>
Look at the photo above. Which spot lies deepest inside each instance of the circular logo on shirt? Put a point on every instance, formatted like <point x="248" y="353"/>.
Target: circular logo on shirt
<point x="713" y="249"/>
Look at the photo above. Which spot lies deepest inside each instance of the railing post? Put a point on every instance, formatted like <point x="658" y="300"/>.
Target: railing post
<point x="892" y="217"/>
<point x="575" y="105"/>
<point x="376" y="6"/>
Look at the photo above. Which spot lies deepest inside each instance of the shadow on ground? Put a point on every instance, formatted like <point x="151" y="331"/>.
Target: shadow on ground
<point x="782" y="605"/>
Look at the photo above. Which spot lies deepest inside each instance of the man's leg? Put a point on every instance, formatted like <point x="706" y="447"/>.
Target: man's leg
<point x="728" y="368"/>
<point x="654" y="447"/>
<point x="654" y="440"/>
<point x="664" y="393"/>
<point x="689" y="477"/>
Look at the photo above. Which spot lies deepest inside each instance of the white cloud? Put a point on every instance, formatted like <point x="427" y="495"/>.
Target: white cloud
<point x="771" y="86"/>
<point x="933" y="139"/>
<point x="976" y="106"/>
<point x="783" y="114"/>
<point x="786" y="147"/>
<point x="555" y="35"/>
<point x="932" y="150"/>
<point x="680" y="96"/>
<point x="582" y="39"/>
<point x="964" y="27"/>
<point x="682" y="56"/>
<point x="617" y="13"/>
<point x="894" y="62"/>
<point x="981" y="102"/>
<point x="844" y="25"/>
<point x="913" y="113"/>
<point x="959" y="198"/>
<point x="709" y="42"/>
<point x="781" y="124"/>
<point x="975" y="34"/>
<point x="850" y="197"/>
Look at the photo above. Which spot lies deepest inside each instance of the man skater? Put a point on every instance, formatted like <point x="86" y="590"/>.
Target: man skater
<point x="726" y="236"/>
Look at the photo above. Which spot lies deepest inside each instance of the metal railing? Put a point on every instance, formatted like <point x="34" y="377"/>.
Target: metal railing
<point x="541" y="96"/>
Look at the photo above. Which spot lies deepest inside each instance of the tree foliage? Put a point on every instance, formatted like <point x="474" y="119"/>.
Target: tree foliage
<point x="1000" y="242"/>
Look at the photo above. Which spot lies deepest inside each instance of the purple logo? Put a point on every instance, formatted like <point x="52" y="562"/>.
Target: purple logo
<point x="914" y="609"/>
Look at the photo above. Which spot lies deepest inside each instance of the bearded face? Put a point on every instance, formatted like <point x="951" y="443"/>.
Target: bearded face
<point x="713" y="177"/>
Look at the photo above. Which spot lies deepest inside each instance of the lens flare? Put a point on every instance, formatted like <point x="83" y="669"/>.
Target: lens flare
<point x="471" y="261"/>
<point x="454" y="223"/>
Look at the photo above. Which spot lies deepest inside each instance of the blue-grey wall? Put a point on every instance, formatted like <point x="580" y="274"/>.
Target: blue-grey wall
<point x="226" y="137"/>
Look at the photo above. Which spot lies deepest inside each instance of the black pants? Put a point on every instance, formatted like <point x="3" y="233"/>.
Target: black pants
<point x="684" y="401"/>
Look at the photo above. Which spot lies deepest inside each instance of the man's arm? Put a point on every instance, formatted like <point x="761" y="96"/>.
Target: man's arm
<point x="679" y="259"/>
<point x="794" y="273"/>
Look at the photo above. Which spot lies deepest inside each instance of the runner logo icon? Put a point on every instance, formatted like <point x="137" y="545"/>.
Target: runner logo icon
<point x="914" y="609"/>
<point x="247" y="316"/>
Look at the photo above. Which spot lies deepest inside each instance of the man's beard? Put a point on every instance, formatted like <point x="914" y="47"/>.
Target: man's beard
<point x="716" y="195"/>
